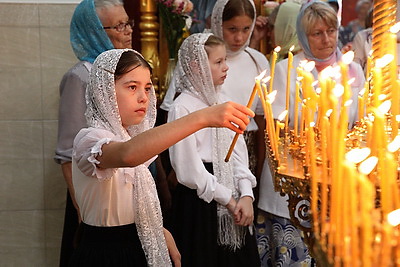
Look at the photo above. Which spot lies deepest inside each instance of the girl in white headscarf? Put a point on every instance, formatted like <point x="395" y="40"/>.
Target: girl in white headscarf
<point x="213" y="200"/>
<point x="233" y="21"/>
<point x="115" y="192"/>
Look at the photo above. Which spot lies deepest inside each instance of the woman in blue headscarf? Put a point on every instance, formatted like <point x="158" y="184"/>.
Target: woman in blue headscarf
<point x="317" y="31"/>
<point x="95" y="27"/>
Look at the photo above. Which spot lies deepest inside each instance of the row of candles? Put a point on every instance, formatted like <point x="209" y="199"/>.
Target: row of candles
<point x="346" y="177"/>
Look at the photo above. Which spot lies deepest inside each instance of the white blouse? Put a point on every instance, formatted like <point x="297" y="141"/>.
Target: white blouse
<point x="187" y="157"/>
<point x="104" y="196"/>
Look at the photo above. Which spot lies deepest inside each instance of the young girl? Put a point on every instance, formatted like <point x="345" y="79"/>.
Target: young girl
<point x="213" y="202"/>
<point x="115" y="192"/>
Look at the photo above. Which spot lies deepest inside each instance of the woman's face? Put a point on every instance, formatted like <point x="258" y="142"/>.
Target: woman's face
<point x="132" y="90"/>
<point x="322" y="40"/>
<point x="236" y="31"/>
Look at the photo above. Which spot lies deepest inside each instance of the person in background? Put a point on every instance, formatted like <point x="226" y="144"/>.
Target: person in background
<point x="213" y="200"/>
<point x="96" y="26"/>
<point x="347" y="33"/>
<point x="202" y="11"/>
<point x="114" y="189"/>
<point x="317" y="30"/>
<point x="362" y="42"/>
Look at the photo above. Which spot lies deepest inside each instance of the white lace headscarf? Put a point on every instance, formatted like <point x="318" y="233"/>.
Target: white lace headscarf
<point x="193" y="76"/>
<point x="102" y="112"/>
<point x="216" y="24"/>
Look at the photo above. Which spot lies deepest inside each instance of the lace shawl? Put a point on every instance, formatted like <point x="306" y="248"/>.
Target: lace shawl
<point x="102" y="112"/>
<point x="193" y="76"/>
<point x="216" y="24"/>
<point x="87" y="36"/>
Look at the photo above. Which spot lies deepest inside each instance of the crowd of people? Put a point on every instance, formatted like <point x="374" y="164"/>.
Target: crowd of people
<point x="222" y="213"/>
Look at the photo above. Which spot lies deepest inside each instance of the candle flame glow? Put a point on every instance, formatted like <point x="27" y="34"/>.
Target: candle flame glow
<point x="351" y="81"/>
<point x="291" y="48"/>
<point x="395" y="28"/>
<point x="394" y="217"/>
<point x="348" y="57"/>
<point x="329" y="112"/>
<point x="357" y="155"/>
<point x="271" y="96"/>
<point x="367" y="166"/>
<point x="383" y="61"/>
<point x="398" y="118"/>
<point x="385" y="106"/>
<point x="394" y="145"/>
<point x="309" y="66"/>
<point x="262" y="74"/>
<point x="348" y="103"/>
<point x="282" y="115"/>
<point x="266" y="79"/>
<point x="362" y="92"/>
<point x="338" y="90"/>
<point x="277" y="49"/>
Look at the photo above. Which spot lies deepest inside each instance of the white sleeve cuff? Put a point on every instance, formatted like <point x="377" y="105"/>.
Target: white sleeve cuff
<point x="245" y="188"/>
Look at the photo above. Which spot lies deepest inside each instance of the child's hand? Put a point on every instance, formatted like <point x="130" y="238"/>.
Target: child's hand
<point x="172" y="249"/>
<point x="244" y="213"/>
<point x="231" y="115"/>
<point x="231" y="205"/>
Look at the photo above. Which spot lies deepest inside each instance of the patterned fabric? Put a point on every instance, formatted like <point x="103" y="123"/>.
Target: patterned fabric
<point x="102" y="112"/>
<point x="87" y="36"/>
<point x="280" y="243"/>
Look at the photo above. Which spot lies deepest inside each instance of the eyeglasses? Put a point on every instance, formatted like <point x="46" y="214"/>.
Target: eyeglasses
<point x="122" y="26"/>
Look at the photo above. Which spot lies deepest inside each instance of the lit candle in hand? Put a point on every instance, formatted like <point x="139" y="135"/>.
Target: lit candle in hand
<point x="289" y="68"/>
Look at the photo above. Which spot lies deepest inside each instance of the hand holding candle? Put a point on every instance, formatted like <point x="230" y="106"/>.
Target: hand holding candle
<point x="256" y="88"/>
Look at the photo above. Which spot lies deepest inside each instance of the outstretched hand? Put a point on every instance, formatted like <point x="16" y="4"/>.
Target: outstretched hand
<point x="231" y="115"/>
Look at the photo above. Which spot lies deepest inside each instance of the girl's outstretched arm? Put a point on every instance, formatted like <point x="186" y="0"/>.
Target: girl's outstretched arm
<point x="146" y="145"/>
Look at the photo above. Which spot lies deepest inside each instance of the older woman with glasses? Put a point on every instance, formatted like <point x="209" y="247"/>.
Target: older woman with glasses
<point x="317" y="31"/>
<point x="96" y="26"/>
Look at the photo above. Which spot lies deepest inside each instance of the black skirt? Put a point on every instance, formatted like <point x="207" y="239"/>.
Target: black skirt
<point x="108" y="247"/>
<point x="195" y="232"/>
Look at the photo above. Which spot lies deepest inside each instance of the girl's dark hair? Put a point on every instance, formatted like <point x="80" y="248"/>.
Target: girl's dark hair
<point x="238" y="8"/>
<point x="128" y="61"/>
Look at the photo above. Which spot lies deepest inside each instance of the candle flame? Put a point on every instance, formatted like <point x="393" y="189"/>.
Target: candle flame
<point x="348" y="57"/>
<point x="394" y="217"/>
<point x="318" y="90"/>
<point x="312" y="124"/>
<point x="394" y="145"/>
<point x="383" y="61"/>
<point x="329" y="112"/>
<point x="314" y="83"/>
<point x="385" y="106"/>
<point x="309" y="66"/>
<point x="348" y="103"/>
<point x="362" y="92"/>
<point x="395" y="28"/>
<point x="277" y="49"/>
<point x="398" y="118"/>
<point x="266" y="79"/>
<point x="338" y="90"/>
<point x="357" y="155"/>
<point x="367" y="166"/>
<point x="271" y="96"/>
<point x="262" y="74"/>
<point x="282" y="115"/>
<point x="291" y="48"/>
<point x="351" y="81"/>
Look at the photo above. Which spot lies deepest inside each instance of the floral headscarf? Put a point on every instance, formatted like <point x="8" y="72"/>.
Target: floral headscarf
<point x="87" y="36"/>
<point x="216" y="24"/>
<point x="102" y="112"/>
